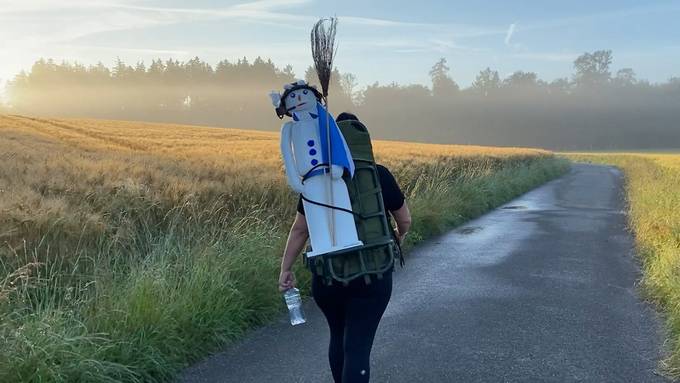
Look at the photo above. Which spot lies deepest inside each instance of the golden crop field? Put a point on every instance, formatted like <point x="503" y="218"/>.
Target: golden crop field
<point x="653" y="193"/>
<point x="128" y="249"/>
<point x="56" y="167"/>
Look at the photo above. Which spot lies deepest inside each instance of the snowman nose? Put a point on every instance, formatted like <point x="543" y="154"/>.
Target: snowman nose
<point x="299" y="98"/>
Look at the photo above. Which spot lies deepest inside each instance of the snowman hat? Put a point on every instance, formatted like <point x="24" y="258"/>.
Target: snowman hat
<point x="281" y="109"/>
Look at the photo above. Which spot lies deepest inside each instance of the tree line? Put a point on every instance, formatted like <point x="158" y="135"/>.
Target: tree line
<point x="592" y="109"/>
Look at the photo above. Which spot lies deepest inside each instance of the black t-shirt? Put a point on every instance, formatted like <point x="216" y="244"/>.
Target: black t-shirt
<point x="393" y="198"/>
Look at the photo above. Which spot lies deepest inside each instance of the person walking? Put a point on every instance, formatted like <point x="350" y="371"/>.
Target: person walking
<point x="353" y="310"/>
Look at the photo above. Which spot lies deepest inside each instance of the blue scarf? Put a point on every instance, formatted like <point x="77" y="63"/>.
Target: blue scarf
<point x="341" y="155"/>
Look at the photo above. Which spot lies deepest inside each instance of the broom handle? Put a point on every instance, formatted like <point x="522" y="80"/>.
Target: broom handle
<point x="330" y="179"/>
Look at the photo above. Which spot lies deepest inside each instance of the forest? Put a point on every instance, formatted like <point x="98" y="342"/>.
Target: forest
<point x="596" y="108"/>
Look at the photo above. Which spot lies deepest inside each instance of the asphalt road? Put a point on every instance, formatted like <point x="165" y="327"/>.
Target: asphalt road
<point x="542" y="289"/>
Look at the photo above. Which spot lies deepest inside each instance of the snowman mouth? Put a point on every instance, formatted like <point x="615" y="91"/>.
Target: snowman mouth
<point x="295" y="107"/>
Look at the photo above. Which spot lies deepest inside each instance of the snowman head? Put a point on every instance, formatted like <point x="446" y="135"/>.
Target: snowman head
<point x="297" y="97"/>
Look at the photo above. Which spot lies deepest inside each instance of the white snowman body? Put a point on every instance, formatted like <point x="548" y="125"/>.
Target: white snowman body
<point x="301" y="147"/>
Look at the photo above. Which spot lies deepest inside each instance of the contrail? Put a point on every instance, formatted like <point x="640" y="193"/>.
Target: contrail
<point x="508" y="35"/>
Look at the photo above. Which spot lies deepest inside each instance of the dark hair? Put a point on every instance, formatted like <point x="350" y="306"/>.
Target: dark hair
<point x="346" y="116"/>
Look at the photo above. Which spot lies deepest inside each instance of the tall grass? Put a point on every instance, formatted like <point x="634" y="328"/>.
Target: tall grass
<point x="130" y="251"/>
<point x="653" y="195"/>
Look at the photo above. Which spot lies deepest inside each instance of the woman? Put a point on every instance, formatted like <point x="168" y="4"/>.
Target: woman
<point x="352" y="311"/>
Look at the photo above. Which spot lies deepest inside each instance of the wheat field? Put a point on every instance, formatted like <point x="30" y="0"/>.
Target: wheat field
<point x="130" y="249"/>
<point x="78" y="170"/>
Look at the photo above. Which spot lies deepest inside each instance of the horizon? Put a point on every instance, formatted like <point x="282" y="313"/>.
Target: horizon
<point x="539" y="38"/>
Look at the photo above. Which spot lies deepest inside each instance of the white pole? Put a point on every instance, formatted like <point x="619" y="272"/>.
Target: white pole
<point x="330" y="179"/>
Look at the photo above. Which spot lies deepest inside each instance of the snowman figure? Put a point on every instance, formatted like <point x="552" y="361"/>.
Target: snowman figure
<point x="304" y="147"/>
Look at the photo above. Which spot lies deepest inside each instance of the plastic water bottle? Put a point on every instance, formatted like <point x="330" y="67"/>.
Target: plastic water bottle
<point x="294" y="303"/>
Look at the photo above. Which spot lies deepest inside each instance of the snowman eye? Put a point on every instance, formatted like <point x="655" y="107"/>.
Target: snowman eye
<point x="305" y="91"/>
<point x="292" y="95"/>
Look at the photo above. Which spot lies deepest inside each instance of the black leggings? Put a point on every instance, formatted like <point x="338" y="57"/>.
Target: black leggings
<point x="353" y="313"/>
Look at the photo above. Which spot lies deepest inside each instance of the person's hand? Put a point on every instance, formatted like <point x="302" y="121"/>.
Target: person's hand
<point x="400" y="237"/>
<point x="286" y="280"/>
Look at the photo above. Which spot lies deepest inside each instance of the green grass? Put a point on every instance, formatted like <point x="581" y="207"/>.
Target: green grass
<point x="184" y="283"/>
<point x="653" y="195"/>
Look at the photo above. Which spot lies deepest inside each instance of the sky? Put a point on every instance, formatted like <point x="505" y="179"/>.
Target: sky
<point x="379" y="41"/>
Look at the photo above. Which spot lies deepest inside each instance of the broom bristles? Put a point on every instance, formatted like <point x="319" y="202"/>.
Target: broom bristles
<point x="323" y="50"/>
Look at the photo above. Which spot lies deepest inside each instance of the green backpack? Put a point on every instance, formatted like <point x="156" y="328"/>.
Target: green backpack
<point x="380" y="248"/>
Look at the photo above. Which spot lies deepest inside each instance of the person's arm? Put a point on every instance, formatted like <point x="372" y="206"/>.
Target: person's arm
<point x="297" y="237"/>
<point x="402" y="217"/>
<point x="394" y="201"/>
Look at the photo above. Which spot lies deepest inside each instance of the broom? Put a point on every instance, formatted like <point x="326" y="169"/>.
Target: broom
<point x="323" y="41"/>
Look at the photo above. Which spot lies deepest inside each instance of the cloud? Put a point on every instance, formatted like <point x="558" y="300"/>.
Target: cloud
<point x="509" y="33"/>
<point x="270" y="4"/>
<point x="459" y="30"/>
<point x="31" y="23"/>
<point x="408" y="45"/>
<point x="264" y="11"/>
<point x="44" y="6"/>
<point x="51" y="12"/>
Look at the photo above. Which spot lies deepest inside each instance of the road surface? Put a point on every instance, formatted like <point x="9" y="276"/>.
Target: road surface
<point x="542" y="289"/>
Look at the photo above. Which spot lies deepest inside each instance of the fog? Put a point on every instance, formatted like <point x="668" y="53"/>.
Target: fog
<point x="595" y="108"/>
